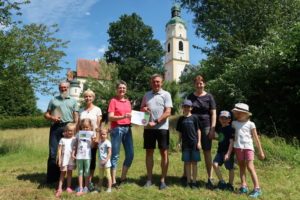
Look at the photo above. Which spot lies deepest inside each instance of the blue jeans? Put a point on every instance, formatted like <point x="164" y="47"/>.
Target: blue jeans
<point x="122" y="135"/>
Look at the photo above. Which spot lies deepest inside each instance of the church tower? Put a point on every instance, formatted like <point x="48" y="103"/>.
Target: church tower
<point x="177" y="46"/>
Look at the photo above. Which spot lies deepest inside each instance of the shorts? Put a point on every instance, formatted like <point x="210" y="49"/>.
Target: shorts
<point x="67" y="168"/>
<point x="152" y="135"/>
<point x="219" y="158"/>
<point x="244" y="154"/>
<point x="205" y="140"/>
<point x="189" y="155"/>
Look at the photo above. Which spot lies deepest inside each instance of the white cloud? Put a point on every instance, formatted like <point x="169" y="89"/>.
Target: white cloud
<point x="87" y="13"/>
<point x="55" y="11"/>
<point x="102" y="49"/>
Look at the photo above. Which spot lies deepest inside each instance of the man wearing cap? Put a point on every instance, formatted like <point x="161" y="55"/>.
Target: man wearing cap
<point x="158" y="103"/>
<point x="61" y="110"/>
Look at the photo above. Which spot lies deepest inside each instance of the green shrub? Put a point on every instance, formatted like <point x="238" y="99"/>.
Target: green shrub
<point x="23" y="122"/>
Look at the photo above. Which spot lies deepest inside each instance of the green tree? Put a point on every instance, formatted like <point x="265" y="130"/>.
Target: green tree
<point x="253" y="57"/>
<point x="29" y="61"/>
<point x="137" y="54"/>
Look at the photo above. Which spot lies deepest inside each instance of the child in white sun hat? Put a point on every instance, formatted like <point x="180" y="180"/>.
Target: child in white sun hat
<point x="245" y="133"/>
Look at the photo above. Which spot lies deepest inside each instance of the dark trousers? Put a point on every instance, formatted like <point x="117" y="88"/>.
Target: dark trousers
<point x="56" y="133"/>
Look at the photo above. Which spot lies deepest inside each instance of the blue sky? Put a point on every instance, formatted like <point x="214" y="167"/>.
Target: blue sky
<point x="85" y="23"/>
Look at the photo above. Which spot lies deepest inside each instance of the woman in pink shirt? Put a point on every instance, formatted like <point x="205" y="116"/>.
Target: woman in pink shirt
<point x="119" y="114"/>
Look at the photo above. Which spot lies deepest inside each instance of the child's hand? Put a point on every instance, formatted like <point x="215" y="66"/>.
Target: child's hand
<point x="103" y="162"/>
<point x="226" y="157"/>
<point x="261" y="156"/>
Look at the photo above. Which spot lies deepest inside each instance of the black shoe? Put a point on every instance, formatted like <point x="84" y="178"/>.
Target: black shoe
<point x="209" y="185"/>
<point x="222" y="185"/>
<point x="229" y="187"/>
<point x="193" y="186"/>
<point x="115" y="185"/>
<point x="122" y="182"/>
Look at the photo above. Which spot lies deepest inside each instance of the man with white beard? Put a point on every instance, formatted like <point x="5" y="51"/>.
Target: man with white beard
<point x="62" y="109"/>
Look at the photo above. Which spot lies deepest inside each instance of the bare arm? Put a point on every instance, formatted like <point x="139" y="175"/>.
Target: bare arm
<point x="199" y="139"/>
<point x="48" y="116"/>
<point x="75" y="117"/>
<point x="113" y="118"/>
<point x="213" y="114"/>
<point x="230" y="148"/>
<point x="261" y="154"/>
<point x="163" y="117"/>
<point x="58" y="158"/>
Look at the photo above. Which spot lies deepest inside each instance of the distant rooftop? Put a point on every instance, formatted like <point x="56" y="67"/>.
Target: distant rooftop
<point x="88" y="69"/>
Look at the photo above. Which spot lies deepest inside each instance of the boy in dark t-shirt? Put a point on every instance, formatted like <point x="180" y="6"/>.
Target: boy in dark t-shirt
<point x="190" y="140"/>
<point x="224" y="152"/>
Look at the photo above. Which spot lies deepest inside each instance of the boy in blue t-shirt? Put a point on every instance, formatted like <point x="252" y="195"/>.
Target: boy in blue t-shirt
<point x="224" y="152"/>
<point x="190" y="140"/>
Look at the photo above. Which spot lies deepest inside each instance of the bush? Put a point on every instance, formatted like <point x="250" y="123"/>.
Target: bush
<point x="23" y="122"/>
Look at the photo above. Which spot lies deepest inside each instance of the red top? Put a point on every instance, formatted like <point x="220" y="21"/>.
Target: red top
<point x="119" y="108"/>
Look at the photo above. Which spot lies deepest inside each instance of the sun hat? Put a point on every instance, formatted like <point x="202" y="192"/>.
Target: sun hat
<point x="187" y="102"/>
<point x="241" y="107"/>
<point x="225" y="113"/>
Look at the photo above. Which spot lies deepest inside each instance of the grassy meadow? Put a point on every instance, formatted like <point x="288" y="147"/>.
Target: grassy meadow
<point x="23" y="158"/>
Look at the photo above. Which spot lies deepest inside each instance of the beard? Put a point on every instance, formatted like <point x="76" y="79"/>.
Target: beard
<point x="64" y="94"/>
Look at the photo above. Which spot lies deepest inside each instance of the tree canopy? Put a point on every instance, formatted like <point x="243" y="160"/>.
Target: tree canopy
<point x="137" y="54"/>
<point x="252" y="57"/>
<point x="29" y="60"/>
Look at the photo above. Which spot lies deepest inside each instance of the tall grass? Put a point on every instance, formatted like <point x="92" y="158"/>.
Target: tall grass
<point x="23" y="158"/>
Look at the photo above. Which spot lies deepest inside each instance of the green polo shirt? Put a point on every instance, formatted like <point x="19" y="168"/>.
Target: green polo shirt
<point x="63" y="108"/>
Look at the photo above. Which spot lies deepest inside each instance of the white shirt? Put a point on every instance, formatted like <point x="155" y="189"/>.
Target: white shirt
<point x="92" y="114"/>
<point x="84" y="144"/>
<point x="243" y="136"/>
<point x="103" y="152"/>
<point x="66" y="151"/>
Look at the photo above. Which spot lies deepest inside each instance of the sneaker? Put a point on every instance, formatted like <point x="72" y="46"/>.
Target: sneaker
<point x="255" y="193"/>
<point x="209" y="185"/>
<point x="229" y="187"/>
<point x="108" y="190"/>
<point x="58" y="193"/>
<point x="148" y="184"/>
<point x="85" y="190"/>
<point x="79" y="192"/>
<point x="163" y="186"/>
<point x="69" y="190"/>
<point x="222" y="185"/>
<point x="91" y="187"/>
<point x="183" y="180"/>
<point x="243" y="190"/>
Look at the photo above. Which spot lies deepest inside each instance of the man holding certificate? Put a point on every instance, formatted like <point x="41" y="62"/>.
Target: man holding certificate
<point x="158" y="104"/>
<point x="61" y="110"/>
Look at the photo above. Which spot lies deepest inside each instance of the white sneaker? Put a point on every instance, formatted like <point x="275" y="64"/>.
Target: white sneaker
<point x="108" y="190"/>
<point x="148" y="184"/>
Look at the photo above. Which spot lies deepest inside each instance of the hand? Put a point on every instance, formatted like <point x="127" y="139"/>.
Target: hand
<point x="73" y="156"/>
<point x="151" y="124"/>
<point x="211" y="134"/>
<point x="103" y="162"/>
<point x="127" y="115"/>
<point x="146" y="109"/>
<point x="55" y="119"/>
<point x="179" y="146"/>
<point x="261" y="156"/>
<point x="199" y="146"/>
<point x="58" y="162"/>
<point x="226" y="157"/>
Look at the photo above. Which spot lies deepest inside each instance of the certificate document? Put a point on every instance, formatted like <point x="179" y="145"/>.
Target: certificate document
<point x="139" y="118"/>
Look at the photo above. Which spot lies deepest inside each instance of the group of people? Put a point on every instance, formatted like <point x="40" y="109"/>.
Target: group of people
<point x="77" y="134"/>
